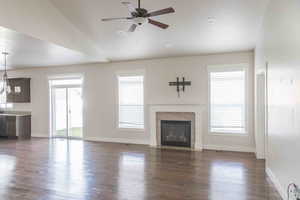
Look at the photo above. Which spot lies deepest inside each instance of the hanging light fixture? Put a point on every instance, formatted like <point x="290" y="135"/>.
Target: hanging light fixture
<point x="5" y="88"/>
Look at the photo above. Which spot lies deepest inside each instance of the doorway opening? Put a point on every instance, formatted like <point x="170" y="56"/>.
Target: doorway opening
<point x="66" y="108"/>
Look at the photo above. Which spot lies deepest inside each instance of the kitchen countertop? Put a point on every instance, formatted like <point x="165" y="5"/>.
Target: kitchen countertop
<point x="15" y="113"/>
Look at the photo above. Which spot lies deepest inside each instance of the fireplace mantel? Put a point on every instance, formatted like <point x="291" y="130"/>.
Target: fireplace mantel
<point x="178" y="108"/>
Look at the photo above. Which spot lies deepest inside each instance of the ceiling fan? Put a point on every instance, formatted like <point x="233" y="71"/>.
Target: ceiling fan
<point x="139" y="16"/>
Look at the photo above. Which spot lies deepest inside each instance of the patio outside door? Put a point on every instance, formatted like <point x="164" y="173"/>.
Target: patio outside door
<point x="66" y="111"/>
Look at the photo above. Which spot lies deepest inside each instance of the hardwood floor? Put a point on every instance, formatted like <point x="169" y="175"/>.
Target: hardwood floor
<point x="42" y="169"/>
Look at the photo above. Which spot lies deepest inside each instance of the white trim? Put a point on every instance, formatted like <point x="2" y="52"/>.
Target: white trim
<point x="260" y="115"/>
<point x="67" y="86"/>
<point x="39" y="135"/>
<point x="52" y="100"/>
<point x="229" y="134"/>
<point x="267" y="111"/>
<point x="50" y="108"/>
<point x="66" y="76"/>
<point x="259" y="156"/>
<point x="228" y="68"/>
<point x="136" y="130"/>
<point x="229" y="148"/>
<point x="133" y="72"/>
<point x="117" y="140"/>
<point x="276" y="183"/>
<point x="197" y="109"/>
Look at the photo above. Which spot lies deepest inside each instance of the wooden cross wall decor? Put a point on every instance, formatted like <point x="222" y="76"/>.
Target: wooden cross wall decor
<point x="181" y="84"/>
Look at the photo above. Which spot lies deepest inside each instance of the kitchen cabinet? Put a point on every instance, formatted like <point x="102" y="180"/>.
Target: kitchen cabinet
<point x="15" y="125"/>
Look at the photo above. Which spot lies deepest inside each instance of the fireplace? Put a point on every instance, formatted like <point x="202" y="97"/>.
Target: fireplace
<point x="182" y="112"/>
<point x="176" y="133"/>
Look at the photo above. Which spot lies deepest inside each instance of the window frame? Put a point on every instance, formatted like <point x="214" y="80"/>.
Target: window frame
<point x="126" y="74"/>
<point x="50" y="100"/>
<point x="229" y="68"/>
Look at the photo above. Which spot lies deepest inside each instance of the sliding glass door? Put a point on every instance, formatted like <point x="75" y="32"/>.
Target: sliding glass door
<point x="66" y="118"/>
<point x="59" y="112"/>
<point x="75" y="112"/>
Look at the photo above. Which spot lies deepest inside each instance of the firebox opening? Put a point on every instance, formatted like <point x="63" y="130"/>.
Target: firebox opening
<point x="176" y="133"/>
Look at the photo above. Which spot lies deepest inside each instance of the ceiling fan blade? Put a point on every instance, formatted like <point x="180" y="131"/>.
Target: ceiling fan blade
<point x="129" y="6"/>
<point x="161" y="12"/>
<point x="117" y="19"/>
<point x="159" y="24"/>
<point x="132" y="28"/>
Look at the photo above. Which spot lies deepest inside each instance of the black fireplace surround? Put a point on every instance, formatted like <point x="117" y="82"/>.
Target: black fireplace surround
<point x="176" y="133"/>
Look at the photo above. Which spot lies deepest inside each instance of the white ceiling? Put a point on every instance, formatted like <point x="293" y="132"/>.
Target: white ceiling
<point x="236" y="27"/>
<point x="26" y="51"/>
<point x="77" y="25"/>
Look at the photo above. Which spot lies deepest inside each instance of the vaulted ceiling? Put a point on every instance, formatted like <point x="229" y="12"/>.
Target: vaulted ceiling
<point x="26" y="51"/>
<point x="235" y="28"/>
<point x="197" y="27"/>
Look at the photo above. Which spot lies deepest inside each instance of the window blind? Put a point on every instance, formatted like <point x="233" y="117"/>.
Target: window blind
<point x="131" y="102"/>
<point x="227" y="102"/>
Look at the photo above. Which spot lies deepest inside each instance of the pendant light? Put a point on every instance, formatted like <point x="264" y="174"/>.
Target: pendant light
<point x="5" y="86"/>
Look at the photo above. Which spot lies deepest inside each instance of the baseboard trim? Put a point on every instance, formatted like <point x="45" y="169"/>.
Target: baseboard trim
<point x="117" y="140"/>
<point x="97" y="139"/>
<point x="276" y="183"/>
<point x="146" y="142"/>
<point x="39" y="136"/>
<point x="229" y="148"/>
<point x="260" y="156"/>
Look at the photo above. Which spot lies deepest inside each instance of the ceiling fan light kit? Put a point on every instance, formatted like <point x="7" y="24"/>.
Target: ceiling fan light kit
<point x="140" y="16"/>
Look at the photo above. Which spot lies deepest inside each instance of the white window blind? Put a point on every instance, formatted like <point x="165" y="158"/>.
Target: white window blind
<point x="131" y="102"/>
<point x="227" y="101"/>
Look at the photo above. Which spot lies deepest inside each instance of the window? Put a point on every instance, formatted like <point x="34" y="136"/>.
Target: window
<point x="131" y="102"/>
<point x="227" y="100"/>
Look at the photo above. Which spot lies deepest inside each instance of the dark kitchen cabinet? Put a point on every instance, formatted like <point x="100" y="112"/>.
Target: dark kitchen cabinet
<point x="15" y="126"/>
<point x="20" y="90"/>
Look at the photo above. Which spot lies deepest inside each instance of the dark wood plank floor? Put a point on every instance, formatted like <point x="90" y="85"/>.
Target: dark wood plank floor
<point x="43" y="169"/>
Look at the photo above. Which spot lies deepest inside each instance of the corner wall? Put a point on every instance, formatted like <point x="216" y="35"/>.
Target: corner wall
<point x="279" y="45"/>
<point x="100" y="96"/>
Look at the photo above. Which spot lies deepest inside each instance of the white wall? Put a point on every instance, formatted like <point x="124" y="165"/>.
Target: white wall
<point x="279" y="45"/>
<point x="100" y="95"/>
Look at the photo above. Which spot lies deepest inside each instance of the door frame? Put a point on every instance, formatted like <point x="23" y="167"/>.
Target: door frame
<point x="260" y="112"/>
<point x="52" y="109"/>
<point x="267" y="110"/>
